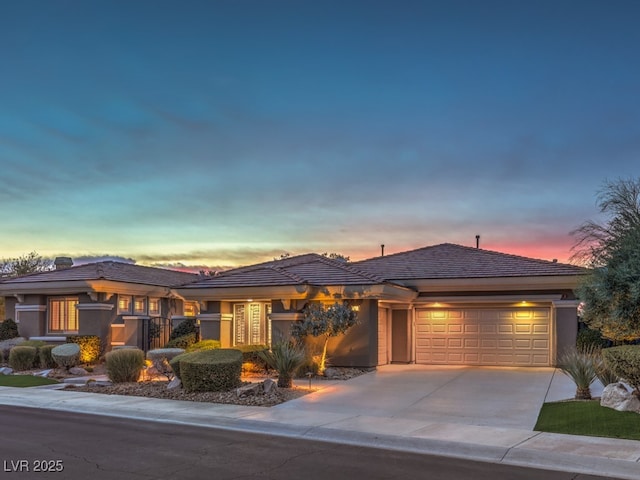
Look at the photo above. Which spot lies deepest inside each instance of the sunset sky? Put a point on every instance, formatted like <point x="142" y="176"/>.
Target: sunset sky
<point x="222" y="133"/>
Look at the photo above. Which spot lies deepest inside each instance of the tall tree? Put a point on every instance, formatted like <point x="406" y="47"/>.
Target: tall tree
<point x="611" y="293"/>
<point x="24" y="265"/>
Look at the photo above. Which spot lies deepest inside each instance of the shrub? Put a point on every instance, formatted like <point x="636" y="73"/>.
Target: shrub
<point x="8" y="329"/>
<point x="251" y="354"/>
<point x="581" y="368"/>
<point x="37" y="344"/>
<point x="186" y="327"/>
<point x="124" y="365"/>
<point x="66" y="355"/>
<point x="45" y="356"/>
<point x="174" y="363"/>
<point x="90" y="347"/>
<point x="590" y="339"/>
<point x="285" y="358"/>
<point x="204" y="345"/>
<point x="210" y="370"/>
<point x="161" y="357"/>
<point x="22" y="358"/>
<point x="625" y="362"/>
<point x="184" y="341"/>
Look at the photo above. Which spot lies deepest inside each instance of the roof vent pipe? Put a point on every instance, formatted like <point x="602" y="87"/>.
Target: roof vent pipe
<point x="382" y="250"/>
<point x="477" y="241"/>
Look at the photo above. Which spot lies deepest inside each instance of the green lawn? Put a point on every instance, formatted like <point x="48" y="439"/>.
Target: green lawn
<point x="24" y="381"/>
<point x="588" y="418"/>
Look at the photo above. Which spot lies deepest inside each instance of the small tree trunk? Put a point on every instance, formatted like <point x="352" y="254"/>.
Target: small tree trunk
<point x="583" y="393"/>
<point x="285" y="381"/>
<point x="323" y="359"/>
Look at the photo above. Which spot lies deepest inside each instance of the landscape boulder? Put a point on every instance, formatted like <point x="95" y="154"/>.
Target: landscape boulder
<point x="617" y="396"/>
<point x="66" y="355"/>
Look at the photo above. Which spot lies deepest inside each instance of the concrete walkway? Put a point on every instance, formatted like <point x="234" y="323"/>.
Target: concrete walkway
<point x="485" y="414"/>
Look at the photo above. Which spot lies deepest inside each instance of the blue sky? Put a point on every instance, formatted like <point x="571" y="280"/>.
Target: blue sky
<point x="222" y="133"/>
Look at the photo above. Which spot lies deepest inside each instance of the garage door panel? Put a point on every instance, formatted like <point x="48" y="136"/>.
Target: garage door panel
<point x="483" y="336"/>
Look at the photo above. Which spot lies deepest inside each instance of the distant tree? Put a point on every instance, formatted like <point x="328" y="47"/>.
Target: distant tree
<point x="611" y="292"/>
<point x="328" y="322"/>
<point x="336" y="256"/>
<point x="24" y="265"/>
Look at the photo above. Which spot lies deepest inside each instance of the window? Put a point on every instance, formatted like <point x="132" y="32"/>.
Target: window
<point x="124" y="304"/>
<point x="154" y="307"/>
<point x="63" y="315"/>
<point x="191" y="309"/>
<point x="140" y="306"/>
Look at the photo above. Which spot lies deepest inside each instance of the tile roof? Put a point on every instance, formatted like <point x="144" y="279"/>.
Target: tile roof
<point x="110" y="270"/>
<point x="310" y="269"/>
<point x="455" y="261"/>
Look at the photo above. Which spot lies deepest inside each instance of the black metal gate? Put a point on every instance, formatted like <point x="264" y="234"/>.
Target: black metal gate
<point x="155" y="332"/>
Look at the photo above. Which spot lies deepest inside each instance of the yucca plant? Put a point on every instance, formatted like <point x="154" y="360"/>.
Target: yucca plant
<point x="285" y="357"/>
<point x="580" y="366"/>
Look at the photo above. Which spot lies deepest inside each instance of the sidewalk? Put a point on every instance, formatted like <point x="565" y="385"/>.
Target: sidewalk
<point x="515" y="446"/>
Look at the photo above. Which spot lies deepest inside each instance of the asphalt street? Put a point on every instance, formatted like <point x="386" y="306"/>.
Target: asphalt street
<point x="39" y="443"/>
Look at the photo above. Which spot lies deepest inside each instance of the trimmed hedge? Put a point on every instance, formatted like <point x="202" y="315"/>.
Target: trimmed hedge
<point x="210" y="370"/>
<point x="624" y="360"/>
<point x="184" y="341"/>
<point x="45" y="356"/>
<point x="253" y="354"/>
<point x="124" y="365"/>
<point x="38" y="344"/>
<point x="22" y="357"/>
<point x="204" y="345"/>
<point x="90" y="347"/>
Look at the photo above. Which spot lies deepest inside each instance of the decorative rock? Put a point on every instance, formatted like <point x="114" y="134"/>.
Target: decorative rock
<point x="78" y="371"/>
<point x="331" y="372"/>
<point x="617" y="396"/>
<point x="43" y="373"/>
<point x="6" y="371"/>
<point x="269" y="385"/>
<point x="249" y="390"/>
<point x="66" y="355"/>
<point x="174" y="384"/>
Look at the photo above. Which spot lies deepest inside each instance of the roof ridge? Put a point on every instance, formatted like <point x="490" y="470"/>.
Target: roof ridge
<point x="350" y="268"/>
<point x="291" y="275"/>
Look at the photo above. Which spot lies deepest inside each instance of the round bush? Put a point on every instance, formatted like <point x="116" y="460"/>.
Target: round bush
<point x="46" y="359"/>
<point x="66" y="355"/>
<point x="124" y="365"/>
<point x="22" y="358"/>
<point x="210" y="370"/>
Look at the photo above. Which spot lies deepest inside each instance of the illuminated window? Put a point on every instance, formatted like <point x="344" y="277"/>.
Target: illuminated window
<point x="154" y="306"/>
<point x="140" y="305"/>
<point x="124" y="304"/>
<point x="63" y="315"/>
<point x="191" y="309"/>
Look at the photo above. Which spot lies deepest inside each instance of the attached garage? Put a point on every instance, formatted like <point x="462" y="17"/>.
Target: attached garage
<point x="483" y="336"/>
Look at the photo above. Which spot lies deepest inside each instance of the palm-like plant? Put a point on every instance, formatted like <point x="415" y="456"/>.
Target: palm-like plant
<point x="580" y="366"/>
<point x="285" y="357"/>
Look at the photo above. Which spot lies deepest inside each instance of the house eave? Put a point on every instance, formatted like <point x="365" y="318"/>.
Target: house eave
<point x="78" y="286"/>
<point x="567" y="282"/>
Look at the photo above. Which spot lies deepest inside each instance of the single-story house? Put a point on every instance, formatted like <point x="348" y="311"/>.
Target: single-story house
<point x="443" y="304"/>
<point x="108" y="299"/>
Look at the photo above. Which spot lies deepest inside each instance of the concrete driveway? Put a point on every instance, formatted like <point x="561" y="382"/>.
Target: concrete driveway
<point x="508" y="397"/>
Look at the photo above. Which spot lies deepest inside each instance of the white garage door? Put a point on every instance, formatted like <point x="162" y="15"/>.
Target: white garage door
<point x="479" y="336"/>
